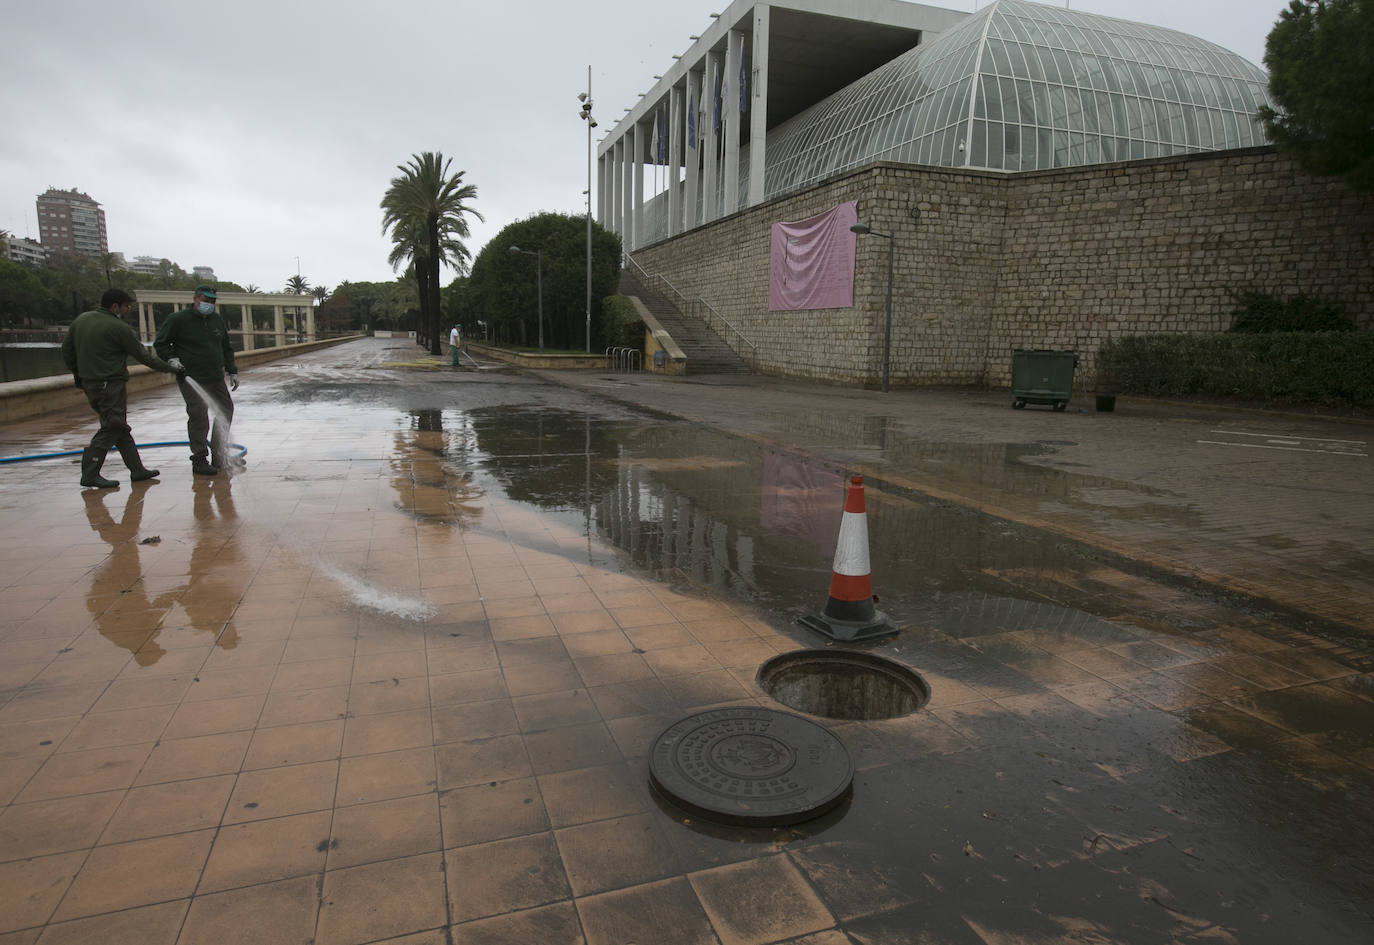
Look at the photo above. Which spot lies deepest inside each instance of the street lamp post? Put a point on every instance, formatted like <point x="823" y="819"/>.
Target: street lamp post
<point x="538" y="255"/>
<point x="586" y="99"/>
<point x="864" y="230"/>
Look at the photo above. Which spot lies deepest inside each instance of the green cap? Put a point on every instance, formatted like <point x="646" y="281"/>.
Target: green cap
<point x="206" y="291"/>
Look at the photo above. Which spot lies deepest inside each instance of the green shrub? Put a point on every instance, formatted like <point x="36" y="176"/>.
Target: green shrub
<point x="1319" y="369"/>
<point x="1258" y="312"/>
<point x="621" y="324"/>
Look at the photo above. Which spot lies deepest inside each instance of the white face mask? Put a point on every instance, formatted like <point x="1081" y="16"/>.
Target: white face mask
<point x="205" y="308"/>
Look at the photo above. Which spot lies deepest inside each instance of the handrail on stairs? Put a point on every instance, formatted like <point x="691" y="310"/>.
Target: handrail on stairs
<point x="691" y="305"/>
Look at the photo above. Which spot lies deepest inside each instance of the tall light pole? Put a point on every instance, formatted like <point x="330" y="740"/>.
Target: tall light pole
<point x="863" y="230"/>
<point x="586" y="99"/>
<point x="538" y="255"/>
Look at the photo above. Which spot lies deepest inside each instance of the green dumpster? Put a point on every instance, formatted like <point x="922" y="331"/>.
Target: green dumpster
<point x="1042" y="377"/>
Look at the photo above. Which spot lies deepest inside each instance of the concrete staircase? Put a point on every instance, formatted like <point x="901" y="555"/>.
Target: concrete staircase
<point x="706" y="352"/>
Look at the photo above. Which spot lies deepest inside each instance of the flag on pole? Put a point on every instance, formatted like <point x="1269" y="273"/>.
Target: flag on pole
<point x="691" y="120"/>
<point x="743" y="86"/>
<point x="715" y="103"/>
<point x="653" y="141"/>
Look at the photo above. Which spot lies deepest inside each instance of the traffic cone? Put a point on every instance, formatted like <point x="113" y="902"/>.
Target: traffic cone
<point x="849" y="614"/>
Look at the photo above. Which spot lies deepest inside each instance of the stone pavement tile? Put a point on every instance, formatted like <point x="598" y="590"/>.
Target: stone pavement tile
<point x="610" y="854"/>
<point x="503" y="876"/>
<point x="277" y="792"/>
<point x="200" y="757"/>
<point x="584" y="745"/>
<point x="390" y="774"/>
<point x="534" y="678"/>
<point x="660" y="636"/>
<point x="831" y="867"/>
<point x="531" y="650"/>
<point x="36" y="739"/>
<point x="469" y="657"/>
<point x="588" y="794"/>
<point x="263" y="851"/>
<point x="282" y="913"/>
<point x="86" y="772"/>
<point x="312" y="674"/>
<point x="395" y="730"/>
<point x="665" y="913"/>
<point x="555" y="709"/>
<point x="598" y="671"/>
<point x="647" y="615"/>
<point x="493" y="811"/>
<point x="138" y="873"/>
<point x="174" y="807"/>
<point x="234" y="714"/>
<point x="760" y="901"/>
<point x="1312" y="661"/>
<point x="681" y="660"/>
<point x="304" y="705"/>
<point x="384" y="830"/>
<point x="583" y="621"/>
<point x="148" y="925"/>
<point x="500" y="758"/>
<point x="54" y="826"/>
<point x="1103" y="662"/>
<point x="50" y="702"/>
<point x="987" y="723"/>
<point x="470" y="721"/>
<point x="1212" y="680"/>
<point x="375" y="667"/>
<point x="1163" y="692"/>
<point x="1152" y="654"/>
<point x="555" y="924"/>
<point x="634" y="735"/>
<point x="382" y="900"/>
<point x="15" y="773"/>
<point x="746" y="654"/>
<point x="705" y="689"/>
<point x="717" y="626"/>
<point x="295" y="744"/>
<point x="225" y="683"/>
<point x="31" y="889"/>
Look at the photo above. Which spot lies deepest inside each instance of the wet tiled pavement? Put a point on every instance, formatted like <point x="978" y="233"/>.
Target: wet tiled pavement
<point x="395" y="681"/>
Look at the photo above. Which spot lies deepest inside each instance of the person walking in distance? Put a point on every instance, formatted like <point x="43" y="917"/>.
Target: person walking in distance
<point x="196" y="339"/>
<point x="96" y="350"/>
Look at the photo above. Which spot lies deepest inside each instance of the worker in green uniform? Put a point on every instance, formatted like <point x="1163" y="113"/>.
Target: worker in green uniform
<point x="96" y="350"/>
<point x="196" y="339"/>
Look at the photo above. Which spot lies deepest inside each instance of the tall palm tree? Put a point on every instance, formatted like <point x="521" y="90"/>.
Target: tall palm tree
<point x="425" y="213"/>
<point x="298" y="285"/>
<point x="321" y="294"/>
<point x="251" y="289"/>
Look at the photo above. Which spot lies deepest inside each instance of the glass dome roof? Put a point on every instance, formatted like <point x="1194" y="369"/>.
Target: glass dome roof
<point x="1023" y="86"/>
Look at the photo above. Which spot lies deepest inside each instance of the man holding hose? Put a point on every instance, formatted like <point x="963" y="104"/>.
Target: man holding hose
<point x="196" y="340"/>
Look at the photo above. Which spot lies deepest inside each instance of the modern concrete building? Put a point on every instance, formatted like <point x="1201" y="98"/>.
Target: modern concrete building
<point x="26" y="251"/>
<point x="775" y="97"/>
<point x="69" y="221"/>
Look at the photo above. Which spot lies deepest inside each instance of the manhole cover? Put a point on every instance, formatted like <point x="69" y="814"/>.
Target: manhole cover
<point x="750" y="766"/>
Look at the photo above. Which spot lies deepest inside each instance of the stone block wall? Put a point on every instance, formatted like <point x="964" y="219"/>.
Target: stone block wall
<point x="1066" y="259"/>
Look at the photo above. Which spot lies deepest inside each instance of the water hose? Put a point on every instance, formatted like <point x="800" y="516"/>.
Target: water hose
<point x="242" y="450"/>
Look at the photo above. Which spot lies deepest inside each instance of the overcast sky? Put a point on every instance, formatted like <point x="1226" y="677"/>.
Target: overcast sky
<point x="245" y="134"/>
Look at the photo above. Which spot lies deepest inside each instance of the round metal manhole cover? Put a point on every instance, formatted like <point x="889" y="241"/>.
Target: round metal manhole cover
<point x="751" y="766"/>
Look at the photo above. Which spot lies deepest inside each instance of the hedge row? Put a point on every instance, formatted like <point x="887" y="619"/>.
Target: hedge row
<point x="1318" y="369"/>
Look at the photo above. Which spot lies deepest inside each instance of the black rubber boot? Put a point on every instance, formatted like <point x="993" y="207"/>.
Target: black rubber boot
<point x="137" y="471"/>
<point x="200" y="466"/>
<point x="91" y="461"/>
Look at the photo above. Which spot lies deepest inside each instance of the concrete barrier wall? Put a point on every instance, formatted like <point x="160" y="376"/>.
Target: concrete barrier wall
<point x="1064" y="259"/>
<point x="20" y="399"/>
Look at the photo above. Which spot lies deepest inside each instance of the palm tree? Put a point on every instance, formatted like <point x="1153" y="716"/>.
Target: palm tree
<point x="297" y="285"/>
<point x="252" y="289"/>
<point x="425" y="211"/>
<point x="321" y="294"/>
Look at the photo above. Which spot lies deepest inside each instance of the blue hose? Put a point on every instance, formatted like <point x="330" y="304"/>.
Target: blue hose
<point x="242" y="450"/>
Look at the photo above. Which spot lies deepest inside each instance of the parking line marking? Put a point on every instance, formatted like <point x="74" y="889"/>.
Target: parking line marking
<point x="1290" y="449"/>
<point x="1316" y="439"/>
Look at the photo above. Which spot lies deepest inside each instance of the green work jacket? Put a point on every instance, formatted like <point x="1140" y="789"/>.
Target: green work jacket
<point x="200" y="341"/>
<point x="98" y="347"/>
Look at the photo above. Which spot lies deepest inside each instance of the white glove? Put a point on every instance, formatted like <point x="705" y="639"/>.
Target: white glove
<point x="177" y="365"/>
<point x="233" y="382"/>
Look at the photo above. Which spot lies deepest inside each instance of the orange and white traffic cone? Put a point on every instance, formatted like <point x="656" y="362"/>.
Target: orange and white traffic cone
<point x="850" y="614"/>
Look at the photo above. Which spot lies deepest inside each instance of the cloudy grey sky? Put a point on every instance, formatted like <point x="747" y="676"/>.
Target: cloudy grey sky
<point x="243" y="134"/>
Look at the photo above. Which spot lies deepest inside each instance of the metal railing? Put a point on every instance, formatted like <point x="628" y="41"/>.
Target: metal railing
<point x="624" y="360"/>
<point x="686" y="306"/>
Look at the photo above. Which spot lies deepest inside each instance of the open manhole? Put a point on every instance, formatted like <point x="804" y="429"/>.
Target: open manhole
<point x="750" y="766"/>
<point x="843" y="684"/>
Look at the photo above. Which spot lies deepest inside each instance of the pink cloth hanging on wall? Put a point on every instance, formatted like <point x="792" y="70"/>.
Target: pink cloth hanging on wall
<point x="811" y="262"/>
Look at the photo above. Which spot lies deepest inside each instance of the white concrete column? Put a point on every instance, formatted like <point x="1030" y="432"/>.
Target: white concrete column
<point x="310" y="323"/>
<point x="675" y="132"/>
<point x="639" y="158"/>
<point x="616" y="195"/>
<point x="730" y="119"/>
<point x="279" y="324"/>
<point x="758" y="107"/>
<point x="689" y="201"/>
<point x="601" y="190"/>
<point x="627" y="179"/>
<point x="144" y="322"/>
<point x="710" y="164"/>
<point x="246" y="321"/>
